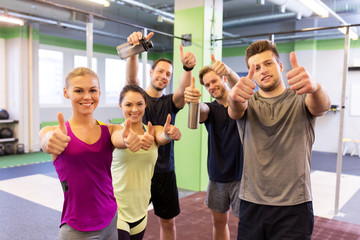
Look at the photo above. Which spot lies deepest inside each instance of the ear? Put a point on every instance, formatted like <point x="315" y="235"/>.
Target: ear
<point x="66" y="95"/>
<point x="281" y="66"/>
<point x="120" y="107"/>
<point x="151" y="72"/>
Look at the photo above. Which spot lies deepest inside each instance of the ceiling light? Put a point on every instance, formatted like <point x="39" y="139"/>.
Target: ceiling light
<point x="353" y="35"/>
<point x="102" y="2"/>
<point x="8" y="19"/>
<point x="317" y="7"/>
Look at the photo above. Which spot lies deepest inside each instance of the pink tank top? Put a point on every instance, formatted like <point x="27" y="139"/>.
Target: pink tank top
<point x="84" y="173"/>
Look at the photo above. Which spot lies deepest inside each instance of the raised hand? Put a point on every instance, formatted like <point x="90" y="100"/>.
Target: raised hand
<point x="131" y="139"/>
<point x="58" y="139"/>
<point x="220" y="68"/>
<point x="244" y="88"/>
<point x="135" y="37"/>
<point x="188" y="59"/>
<point x="171" y="131"/>
<point x="298" y="78"/>
<point x="192" y="94"/>
<point x="147" y="139"/>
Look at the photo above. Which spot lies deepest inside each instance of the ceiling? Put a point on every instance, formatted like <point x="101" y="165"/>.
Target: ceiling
<point x="241" y="19"/>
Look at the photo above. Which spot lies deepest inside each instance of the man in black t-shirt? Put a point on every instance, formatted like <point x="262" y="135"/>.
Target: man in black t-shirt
<point x="164" y="192"/>
<point x="225" y="153"/>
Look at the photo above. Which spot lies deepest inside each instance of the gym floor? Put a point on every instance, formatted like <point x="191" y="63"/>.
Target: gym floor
<point x="31" y="196"/>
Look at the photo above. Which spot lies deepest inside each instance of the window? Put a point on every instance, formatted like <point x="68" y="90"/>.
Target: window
<point x="114" y="79"/>
<point x="140" y="75"/>
<point x="81" y="61"/>
<point x="51" y="80"/>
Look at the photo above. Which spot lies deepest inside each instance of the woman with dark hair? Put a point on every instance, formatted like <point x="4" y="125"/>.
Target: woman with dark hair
<point x="132" y="171"/>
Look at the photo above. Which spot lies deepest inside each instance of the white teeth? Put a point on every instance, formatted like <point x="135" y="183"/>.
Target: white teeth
<point x="86" y="104"/>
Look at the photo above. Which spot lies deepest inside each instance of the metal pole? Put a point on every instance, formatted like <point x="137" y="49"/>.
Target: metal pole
<point x="89" y="40"/>
<point x="144" y="62"/>
<point x="341" y="127"/>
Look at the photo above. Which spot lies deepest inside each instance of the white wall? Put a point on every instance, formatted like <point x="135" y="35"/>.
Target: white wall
<point x="2" y="75"/>
<point x="326" y="67"/>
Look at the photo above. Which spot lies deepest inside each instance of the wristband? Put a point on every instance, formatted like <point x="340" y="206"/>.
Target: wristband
<point x="187" y="69"/>
<point x="166" y="137"/>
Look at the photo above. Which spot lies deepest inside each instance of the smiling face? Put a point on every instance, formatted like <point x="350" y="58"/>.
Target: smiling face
<point x="161" y="75"/>
<point x="83" y="92"/>
<point x="214" y="84"/>
<point x="133" y="106"/>
<point x="267" y="72"/>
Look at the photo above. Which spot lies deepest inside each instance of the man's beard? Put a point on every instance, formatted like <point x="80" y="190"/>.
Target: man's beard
<point x="158" y="88"/>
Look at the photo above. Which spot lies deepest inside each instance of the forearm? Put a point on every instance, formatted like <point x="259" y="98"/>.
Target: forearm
<point x="160" y="137"/>
<point x="132" y="68"/>
<point x="204" y="112"/>
<point x="232" y="78"/>
<point x="117" y="138"/>
<point x="318" y="102"/>
<point x="185" y="81"/>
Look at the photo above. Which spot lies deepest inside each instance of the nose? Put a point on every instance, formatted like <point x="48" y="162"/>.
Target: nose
<point x="87" y="95"/>
<point x="134" y="108"/>
<point x="263" y="70"/>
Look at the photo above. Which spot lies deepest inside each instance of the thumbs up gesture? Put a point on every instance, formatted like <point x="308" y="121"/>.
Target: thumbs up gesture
<point x="171" y="131"/>
<point x="220" y="68"/>
<point x="57" y="140"/>
<point x="131" y="139"/>
<point x="244" y="88"/>
<point x="192" y="94"/>
<point x="188" y="59"/>
<point x="298" y="78"/>
<point x="148" y="138"/>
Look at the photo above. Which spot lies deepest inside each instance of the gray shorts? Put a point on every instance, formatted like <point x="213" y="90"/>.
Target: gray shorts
<point x="220" y="196"/>
<point x="108" y="233"/>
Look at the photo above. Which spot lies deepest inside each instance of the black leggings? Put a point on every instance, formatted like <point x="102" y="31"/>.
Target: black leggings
<point x="124" y="235"/>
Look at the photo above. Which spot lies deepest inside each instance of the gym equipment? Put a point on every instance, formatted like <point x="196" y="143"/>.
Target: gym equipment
<point x="2" y="150"/>
<point x="9" y="149"/>
<point x="20" y="148"/>
<point x="4" y="114"/>
<point x="6" y="132"/>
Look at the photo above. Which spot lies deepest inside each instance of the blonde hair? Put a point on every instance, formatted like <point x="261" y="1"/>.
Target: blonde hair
<point x="79" y="71"/>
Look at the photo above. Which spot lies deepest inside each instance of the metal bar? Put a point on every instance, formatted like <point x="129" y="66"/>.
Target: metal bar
<point x="288" y="32"/>
<point x="89" y="41"/>
<point x="341" y="128"/>
<point x="106" y="18"/>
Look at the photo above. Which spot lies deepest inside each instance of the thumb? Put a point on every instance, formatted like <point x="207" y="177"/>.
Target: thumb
<point x="213" y="58"/>
<point x="127" y="128"/>
<point x="181" y="52"/>
<point x="168" y="120"/>
<point x="149" y="36"/>
<point x="293" y="60"/>
<point x="61" y="121"/>
<point x="192" y="83"/>
<point x="150" y="128"/>
<point x="251" y="71"/>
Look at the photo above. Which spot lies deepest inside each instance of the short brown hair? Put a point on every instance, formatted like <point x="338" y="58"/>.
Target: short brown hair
<point x="79" y="71"/>
<point x="204" y="71"/>
<point x="161" y="60"/>
<point x="259" y="47"/>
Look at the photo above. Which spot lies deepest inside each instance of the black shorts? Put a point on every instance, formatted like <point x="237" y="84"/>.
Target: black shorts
<point x="164" y="195"/>
<point x="260" y="222"/>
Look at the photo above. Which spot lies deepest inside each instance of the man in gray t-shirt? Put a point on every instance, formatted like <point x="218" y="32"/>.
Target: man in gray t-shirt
<point x="276" y="126"/>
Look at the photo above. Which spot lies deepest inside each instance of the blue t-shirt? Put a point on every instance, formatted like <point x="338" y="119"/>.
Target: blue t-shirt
<point x="156" y="112"/>
<point x="225" y="151"/>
